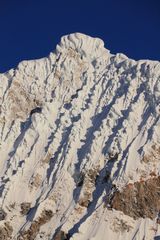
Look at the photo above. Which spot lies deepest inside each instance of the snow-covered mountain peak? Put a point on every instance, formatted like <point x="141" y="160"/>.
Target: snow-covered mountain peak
<point x="86" y="46"/>
<point x="80" y="145"/>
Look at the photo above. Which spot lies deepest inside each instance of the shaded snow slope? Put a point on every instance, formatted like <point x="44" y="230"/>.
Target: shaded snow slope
<point x="75" y="127"/>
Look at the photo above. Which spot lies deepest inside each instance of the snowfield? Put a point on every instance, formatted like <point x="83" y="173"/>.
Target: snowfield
<point x="80" y="146"/>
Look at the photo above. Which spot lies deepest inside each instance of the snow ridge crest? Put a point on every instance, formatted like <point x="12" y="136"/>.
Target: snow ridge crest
<point x="87" y="46"/>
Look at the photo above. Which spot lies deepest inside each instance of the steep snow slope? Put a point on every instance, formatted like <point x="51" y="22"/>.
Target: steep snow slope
<point x="77" y="129"/>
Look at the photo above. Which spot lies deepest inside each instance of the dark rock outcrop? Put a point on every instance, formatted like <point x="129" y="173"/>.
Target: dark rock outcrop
<point x="61" y="236"/>
<point x="6" y="232"/>
<point x="34" y="229"/>
<point x="25" y="207"/>
<point x="2" y="214"/>
<point x="141" y="199"/>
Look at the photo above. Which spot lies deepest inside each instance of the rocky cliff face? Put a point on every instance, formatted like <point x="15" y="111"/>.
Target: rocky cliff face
<point x="141" y="199"/>
<point x="80" y="145"/>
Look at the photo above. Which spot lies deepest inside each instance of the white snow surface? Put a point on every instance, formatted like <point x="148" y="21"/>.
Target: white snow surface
<point x="63" y="115"/>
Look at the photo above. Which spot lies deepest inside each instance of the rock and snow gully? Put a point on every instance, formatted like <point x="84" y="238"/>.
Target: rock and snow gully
<point x="80" y="146"/>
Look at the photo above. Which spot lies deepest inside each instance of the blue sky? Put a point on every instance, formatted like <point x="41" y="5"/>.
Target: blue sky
<point x="31" y="29"/>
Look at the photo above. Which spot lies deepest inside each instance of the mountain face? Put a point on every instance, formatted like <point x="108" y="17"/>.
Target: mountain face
<point x="80" y="146"/>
